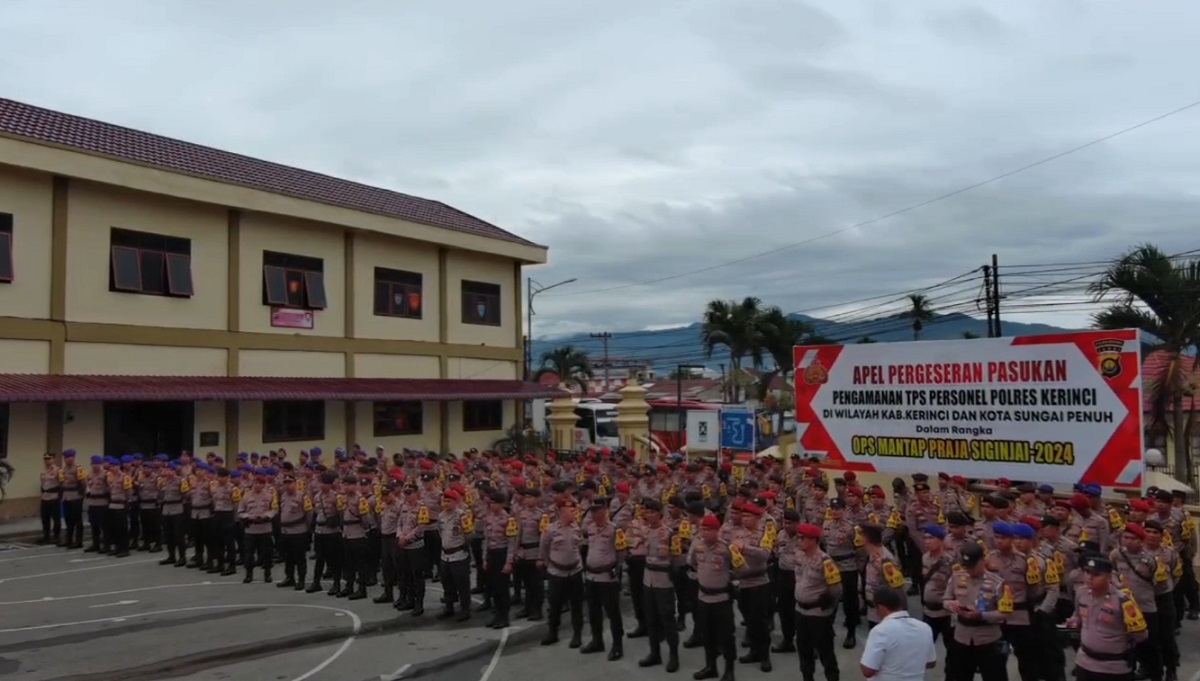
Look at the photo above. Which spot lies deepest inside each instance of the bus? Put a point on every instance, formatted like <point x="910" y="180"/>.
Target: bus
<point x="668" y="420"/>
<point x="595" y="424"/>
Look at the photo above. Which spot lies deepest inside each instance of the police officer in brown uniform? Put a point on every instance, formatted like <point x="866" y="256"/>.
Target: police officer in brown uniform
<point x="559" y="556"/>
<point x="148" y="506"/>
<point x="658" y="591"/>
<point x="937" y="570"/>
<point x="531" y="520"/>
<point x="1135" y="569"/>
<point x="1111" y="626"/>
<point x="327" y="533"/>
<point x="455" y="524"/>
<point x="120" y="494"/>
<point x="500" y="530"/>
<point x="784" y="582"/>
<point x="221" y="545"/>
<point x="1020" y="577"/>
<point x="410" y="535"/>
<point x="295" y="514"/>
<point x="980" y="603"/>
<point x="170" y="498"/>
<point x="258" y="508"/>
<point x="1167" y="576"/>
<point x="818" y="591"/>
<point x="74" y="480"/>
<point x="711" y="559"/>
<point x="389" y="549"/>
<point x="882" y="569"/>
<point x="843" y="541"/>
<point x="200" y="494"/>
<point x="755" y="543"/>
<point x="606" y="544"/>
<point x="51" y="500"/>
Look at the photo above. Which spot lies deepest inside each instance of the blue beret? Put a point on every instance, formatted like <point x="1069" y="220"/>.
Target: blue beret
<point x="341" y="456"/>
<point x="1004" y="530"/>
<point x="217" y="459"/>
<point x="1046" y="489"/>
<point x="315" y="451"/>
<point x="1023" y="531"/>
<point x="174" y="465"/>
<point x="1078" y="487"/>
<point x="97" y="460"/>
<point x="69" y="453"/>
<point x="111" y="460"/>
<point x="934" y="531"/>
<point x="1093" y="490"/>
<point x="272" y="471"/>
<point x="255" y="455"/>
<point x="162" y="457"/>
<point x="243" y="456"/>
<point x="127" y="459"/>
<point x="138" y="457"/>
<point x="235" y="473"/>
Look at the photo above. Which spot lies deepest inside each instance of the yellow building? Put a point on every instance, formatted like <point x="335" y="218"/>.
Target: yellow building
<point x="159" y="296"/>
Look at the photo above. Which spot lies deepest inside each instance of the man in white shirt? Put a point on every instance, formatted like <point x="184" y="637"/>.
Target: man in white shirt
<point x="899" y="648"/>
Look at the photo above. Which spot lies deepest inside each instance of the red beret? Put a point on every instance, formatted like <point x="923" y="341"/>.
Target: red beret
<point x="753" y="509"/>
<point x="1004" y="482"/>
<point x="1139" y="505"/>
<point x="711" y="522"/>
<point x="664" y="469"/>
<point x="726" y="466"/>
<point x="769" y="495"/>
<point x="623" y="487"/>
<point x="396" y="473"/>
<point x="451" y="494"/>
<point x="855" y="492"/>
<point x="1136" y="530"/>
<point x="516" y="465"/>
<point x="1080" y="500"/>
<point x="1031" y="521"/>
<point x="1062" y="503"/>
<point x="878" y="493"/>
<point x="517" y="483"/>
<point x="810" y="531"/>
<point x="606" y="452"/>
<point x="591" y="469"/>
<point x="959" y="480"/>
<point x="458" y="466"/>
<point x="813" y="473"/>
<point x="737" y="505"/>
<point x="850" y="476"/>
<point x="426" y="465"/>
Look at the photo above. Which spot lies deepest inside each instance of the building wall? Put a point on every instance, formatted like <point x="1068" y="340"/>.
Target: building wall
<point x="144" y="360"/>
<point x="461" y="440"/>
<point x="27" y="197"/>
<point x="250" y="432"/>
<point x="430" y="437"/>
<point x="411" y="256"/>
<point x="479" y="369"/>
<point x="209" y="417"/>
<point x="95" y="209"/>
<point x="83" y="427"/>
<point x="285" y="363"/>
<point x="26" y="444"/>
<point x="462" y="266"/>
<point x="24" y="356"/>
<point x="396" y="366"/>
<point x="260" y="232"/>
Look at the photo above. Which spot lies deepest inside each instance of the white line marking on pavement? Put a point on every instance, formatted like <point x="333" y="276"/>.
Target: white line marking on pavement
<point x="356" y="625"/>
<point x="109" y="605"/>
<point x="40" y="555"/>
<point x="487" y="673"/>
<point x="84" y="560"/>
<point x="54" y="599"/>
<point x="88" y="569"/>
<point x="396" y="675"/>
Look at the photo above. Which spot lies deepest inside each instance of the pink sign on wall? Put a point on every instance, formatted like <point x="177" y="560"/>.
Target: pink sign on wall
<point x="290" y="318"/>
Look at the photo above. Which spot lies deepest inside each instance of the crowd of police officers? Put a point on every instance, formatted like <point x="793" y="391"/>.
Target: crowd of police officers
<point x="1017" y="570"/>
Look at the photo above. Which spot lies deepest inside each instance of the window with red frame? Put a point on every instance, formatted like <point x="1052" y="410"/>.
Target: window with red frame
<point x="399" y="418"/>
<point x="6" y="248"/>
<point x="397" y="293"/>
<point x="293" y="281"/>
<point x="150" y="264"/>
<point x="481" y="303"/>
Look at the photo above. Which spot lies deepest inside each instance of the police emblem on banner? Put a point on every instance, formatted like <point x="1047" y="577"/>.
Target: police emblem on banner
<point x="1108" y="359"/>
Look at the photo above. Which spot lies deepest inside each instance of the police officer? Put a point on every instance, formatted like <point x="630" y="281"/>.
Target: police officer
<point x="843" y="540"/>
<point x="658" y="591"/>
<point x="1110" y="625"/>
<point x="711" y="559"/>
<point x="882" y="568"/>
<point x="410" y="535"/>
<point x="531" y="521"/>
<point x="295" y="514"/>
<point x="74" y="481"/>
<point x="784" y="582"/>
<point x="606" y="545"/>
<point x="51" y="501"/>
<point x="559" y="556"/>
<point x="1022" y="578"/>
<point x="328" y="504"/>
<point x="500" y="530"/>
<point x="937" y="571"/>
<point x="389" y="549"/>
<point x="258" y="508"/>
<point x="980" y="603"/>
<point x="455" y="525"/>
<point x="818" y="591"/>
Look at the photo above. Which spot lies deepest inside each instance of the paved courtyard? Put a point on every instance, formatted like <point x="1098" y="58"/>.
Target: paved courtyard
<point x="79" y="617"/>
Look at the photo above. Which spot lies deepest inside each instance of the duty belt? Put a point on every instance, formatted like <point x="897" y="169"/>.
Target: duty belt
<point x="847" y="556"/>
<point x="933" y="605"/>
<point x="658" y="568"/>
<point x="752" y="574"/>
<point x="712" y="592"/>
<point x="97" y="496"/>
<point x="451" y="550"/>
<point x="295" y="523"/>
<point x="811" y="605"/>
<point x="564" y="567"/>
<point x="530" y="545"/>
<point x="205" y="507"/>
<point x="1104" y="657"/>
<point x="601" y="569"/>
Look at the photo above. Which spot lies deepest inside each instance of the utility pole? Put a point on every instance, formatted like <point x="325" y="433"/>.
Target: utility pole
<point x="604" y="338"/>
<point x="996" y="293"/>
<point x="988" y="303"/>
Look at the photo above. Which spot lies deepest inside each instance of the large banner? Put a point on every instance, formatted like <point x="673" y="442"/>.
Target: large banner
<point x="1062" y="408"/>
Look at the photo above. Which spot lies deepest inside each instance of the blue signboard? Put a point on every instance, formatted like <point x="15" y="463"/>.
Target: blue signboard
<point x="737" y="430"/>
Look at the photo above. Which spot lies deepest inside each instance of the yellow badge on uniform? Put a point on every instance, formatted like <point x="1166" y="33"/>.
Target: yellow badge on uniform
<point x="621" y="542"/>
<point x="422" y="514"/>
<point x="705" y="492"/>
<point x="768" y="539"/>
<point x="378" y="505"/>
<point x="941" y="519"/>
<point x="1135" y="621"/>
<point x="1083" y="535"/>
<point x="301" y="485"/>
<point x="62" y="475"/>
<point x="828" y="515"/>
<point x="1053" y="576"/>
<point x="1177" y="572"/>
<point x="1005" y="604"/>
<point x="580" y="478"/>
<point x="308" y="505"/>
<point x="685" y="529"/>
<point x="1167" y="540"/>
<point x="972" y="501"/>
<point x="274" y="500"/>
<point x="1115" y="521"/>
<point x="471" y="497"/>
<point x="873" y="518"/>
<point x="677" y="545"/>
<point x="637" y="512"/>
<point x="364" y="506"/>
<point x="723" y="490"/>
<point x="736" y="558"/>
<point x="1060" y="561"/>
<point x="237" y="495"/>
<point x="544" y="524"/>
<point x="580" y="512"/>
<point x="833" y="576"/>
<point x="512" y="529"/>
<point x="791" y="504"/>
<point x="859" y="539"/>
<point x="1033" y="571"/>
<point x="895" y="520"/>
<point x="212" y="486"/>
<point x="185" y="485"/>
<point x="468" y="523"/>
<point x="1160" y="571"/>
<point x="892" y="575"/>
<point x="127" y="482"/>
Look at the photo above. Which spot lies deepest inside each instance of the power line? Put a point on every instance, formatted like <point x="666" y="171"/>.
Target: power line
<point x="894" y="213"/>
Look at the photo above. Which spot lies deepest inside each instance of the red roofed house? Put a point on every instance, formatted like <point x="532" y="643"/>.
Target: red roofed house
<point x="159" y="296"/>
<point x="1154" y="367"/>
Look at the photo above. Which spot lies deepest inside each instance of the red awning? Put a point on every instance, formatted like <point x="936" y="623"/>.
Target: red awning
<point x="77" y="388"/>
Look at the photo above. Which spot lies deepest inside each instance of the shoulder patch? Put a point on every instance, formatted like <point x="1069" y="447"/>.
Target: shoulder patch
<point x="833" y="576"/>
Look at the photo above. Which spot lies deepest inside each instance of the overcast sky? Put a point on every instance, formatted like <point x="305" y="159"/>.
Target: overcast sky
<point x="640" y="140"/>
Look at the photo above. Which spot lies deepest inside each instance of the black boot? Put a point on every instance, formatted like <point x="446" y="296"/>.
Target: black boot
<point x="249" y="577"/>
<point x="596" y="644"/>
<point x="576" y="640"/>
<point x="418" y="609"/>
<point x="638" y="632"/>
<point x="673" y="660"/>
<point x="728" y="675"/>
<point x="167" y="561"/>
<point x="314" y="587"/>
<point x="693" y="641"/>
<point x="300" y="582"/>
<point x="550" y="638"/>
<point x="617" y="651"/>
<point x="709" y="671"/>
<point x="851" y="640"/>
<point x="266" y="576"/>
<point x="287" y="581"/>
<point x="386" y="597"/>
<point x="335" y="588"/>
<point x="446" y="613"/>
<point x="653" y="659"/>
<point x="359" y="593"/>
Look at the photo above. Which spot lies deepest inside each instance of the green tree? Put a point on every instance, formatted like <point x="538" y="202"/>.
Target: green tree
<point x="571" y="365"/>
<point x="779" y="336"/>
<point x="1149" y="290"/>
<point x="737" y="327"/>
<point x="920" y="311"/>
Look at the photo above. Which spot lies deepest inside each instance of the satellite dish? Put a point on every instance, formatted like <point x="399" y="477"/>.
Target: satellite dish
<point x="1154" y="457"/>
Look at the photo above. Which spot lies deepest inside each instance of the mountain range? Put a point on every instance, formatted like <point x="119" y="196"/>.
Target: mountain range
<point x="663" y="349"/>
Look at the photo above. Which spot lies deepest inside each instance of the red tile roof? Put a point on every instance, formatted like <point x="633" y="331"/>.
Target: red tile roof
<point x="43" y="388"/>
<point x="90" y="136"/>
<point x="1155" y="365"/>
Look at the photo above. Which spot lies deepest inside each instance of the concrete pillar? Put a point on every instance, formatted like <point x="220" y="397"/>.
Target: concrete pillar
<point x="562" y="421"/>
<point x="633" y="421"/>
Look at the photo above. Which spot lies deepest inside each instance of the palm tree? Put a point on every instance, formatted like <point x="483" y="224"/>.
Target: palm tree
<point x="920" y="312"/>
<point x="737" y="327"/>
<point x="780" y="336"/>
<point x="1153" y="292"/>
<point x="571" y="365"/>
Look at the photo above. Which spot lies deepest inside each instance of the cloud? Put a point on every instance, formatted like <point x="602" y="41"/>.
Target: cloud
<point x="641" y="140"/>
